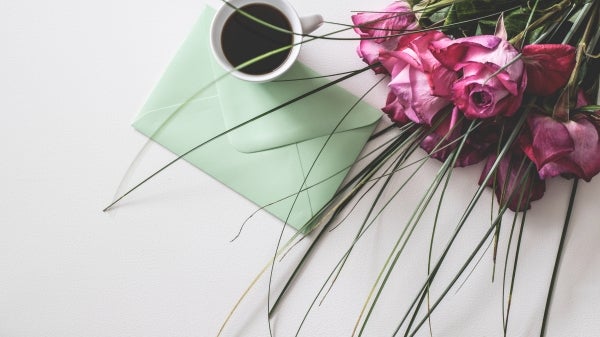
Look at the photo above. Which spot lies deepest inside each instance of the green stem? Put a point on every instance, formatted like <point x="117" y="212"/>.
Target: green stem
<point x="406" y="155"/>
<point x="467" y="212"/>
<point x="310" y="170"/>
<point x="506" y="314"/>
<point x="558" y="257"/>
<point x="462" y="269"/>
<point x="293" y="100"/>
<point x="356" y="180"/>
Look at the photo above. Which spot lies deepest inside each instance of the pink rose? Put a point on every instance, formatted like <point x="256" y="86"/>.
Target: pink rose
<point x="381" y="30"/>
<point x="548" y="66"/>
<point x="419" y="81"/>
<point x="508" y="181"/>
<point x="480" y="92"/>
<point x="395" y="110"/>
<point x="570" y="148"/>
<point x="442" y="141"/>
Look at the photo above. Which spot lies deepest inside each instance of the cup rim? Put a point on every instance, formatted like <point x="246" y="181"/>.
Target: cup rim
<point x="223" y="14"/>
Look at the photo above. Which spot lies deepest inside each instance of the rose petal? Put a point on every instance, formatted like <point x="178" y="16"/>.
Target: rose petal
<point x="411" y="66"/>
<point x="493" y="78"/>
<point x="395" y="110"/>
<point x="380" y="31"/>
<point x="584" y="160"/>
<point x="369" y="51"/>
<point x="440" y="142"/>
<point x="482" y="96"/>
<point x="455" y="53"/>
<point x="440" y="81"/>
<point x="395" y="18"/>
<point x="550" y="139"/>
<point x="445" y="138"/>
<point x="508" y="181"/>
<point x="425" y="105"/>
<point x="548" y="67"/>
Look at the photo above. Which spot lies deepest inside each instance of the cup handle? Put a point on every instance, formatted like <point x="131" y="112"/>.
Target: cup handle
<point x="310" y="23"/>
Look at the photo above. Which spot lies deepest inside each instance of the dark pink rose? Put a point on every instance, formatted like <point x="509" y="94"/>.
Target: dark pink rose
<point x="569" y="148"/>
<point x="444" y="139"/>
<point x="419" y="81"/>
<point x="548" y="67"/>
<point x="395" y="110"/>
<point x="508" y="181"/>
<point x="484" y="90"/>
<point x="381" y="30"/>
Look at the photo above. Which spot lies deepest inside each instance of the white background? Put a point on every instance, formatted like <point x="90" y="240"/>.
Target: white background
<point x="73" y="74"/>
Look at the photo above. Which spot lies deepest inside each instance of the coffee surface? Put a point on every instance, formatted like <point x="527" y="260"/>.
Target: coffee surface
<point x="244" y="39"/>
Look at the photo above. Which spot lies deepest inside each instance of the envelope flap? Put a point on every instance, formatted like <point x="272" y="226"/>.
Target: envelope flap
<point x="311" y="117"/>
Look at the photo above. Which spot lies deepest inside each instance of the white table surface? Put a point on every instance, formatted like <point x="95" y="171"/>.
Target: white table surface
<point x="73" y="74"/>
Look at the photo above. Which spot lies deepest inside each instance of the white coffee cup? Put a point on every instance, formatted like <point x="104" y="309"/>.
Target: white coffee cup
<point x="299" y="26"/>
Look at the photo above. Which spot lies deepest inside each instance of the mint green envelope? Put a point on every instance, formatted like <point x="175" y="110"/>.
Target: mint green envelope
<point x="268" y="159"/>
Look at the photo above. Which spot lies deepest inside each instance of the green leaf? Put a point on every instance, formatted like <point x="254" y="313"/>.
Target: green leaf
<point x="439" y="15"/>
<point x="460" y="12"/>
<point x="589" y="108"/>
<point x="472" y="10"/>
<point x="515" y="22"/>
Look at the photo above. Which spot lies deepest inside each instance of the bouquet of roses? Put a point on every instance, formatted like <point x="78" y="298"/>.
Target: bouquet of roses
<point x="537" y="85"/>
<point x="507" y="83"/>
<point x="511" y="84"/>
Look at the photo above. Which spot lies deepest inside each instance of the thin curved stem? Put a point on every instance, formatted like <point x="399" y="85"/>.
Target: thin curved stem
<point x="559" y="252"/>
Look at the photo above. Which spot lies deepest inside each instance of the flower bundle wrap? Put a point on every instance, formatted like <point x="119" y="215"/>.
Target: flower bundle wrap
<point x="446" y="81"/>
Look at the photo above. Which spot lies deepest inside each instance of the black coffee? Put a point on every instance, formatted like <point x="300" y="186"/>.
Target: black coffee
<point x="243" y="39"/>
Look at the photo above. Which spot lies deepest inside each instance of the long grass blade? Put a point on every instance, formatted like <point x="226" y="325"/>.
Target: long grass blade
<point x="291" y="101"/>
<point x="307" y="175"/>
<point x="467" y="212"/>
<point x="368" y="173"/>
<point x="468" y="261"/>
<point x="308" y="187"/>
<point x="349" y="249"/>
<point x="119" y="196"/>
<point x="559" y="252"/>
<point x="506" y="312"/>
<point x="370" y="212"/>
<point x="420" y="208"/>
<point x="452" y="159"/>
<point x="401" y="243"/>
